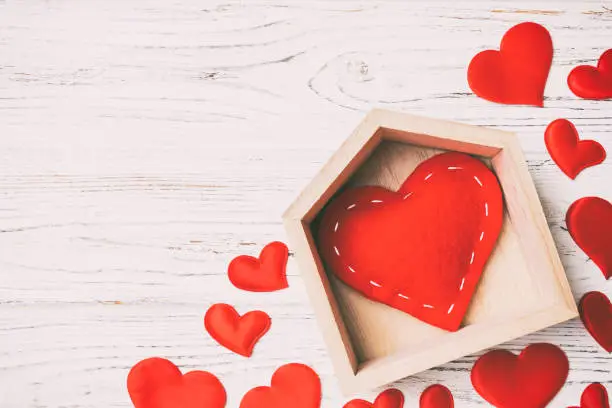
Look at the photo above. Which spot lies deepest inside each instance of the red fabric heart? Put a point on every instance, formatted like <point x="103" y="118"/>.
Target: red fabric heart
<point x="596" y="314"/>
<point x="293" y="386"/>
<point x="421" y="249"/>
<point x="391" y="398"/>
<point x="571" y="154"/>
<point x="529" y="380"/>
<point x="437" y="396"/>
<point x="239" y="334"/>
<point x="594" y="396"/>
<point x="263" y="274"/>
<point x="157" y="383"/>
<point x="589" y="222"/>
<point x="517" y="73"/>
<point x="593" y="82"/>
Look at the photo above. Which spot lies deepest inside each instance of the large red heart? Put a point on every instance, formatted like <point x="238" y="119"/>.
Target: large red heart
<point x="391" y="398"/>
<point x="437" y="396"/>
<point x="594" y="396"/>
<point x="293" y="386"/>
<point x="596" y="315"/>
<point x="263" y="274"/>
<point x="421" y="249"/>
<point x="157" y="383"/>
<point x="239" y="334"/>
<point x="571" y="154"/>
<point x="529" y="380"/>
<point x="589" y="222"/>
<point x="517" y="73"/>
<point x="593" y="82"/>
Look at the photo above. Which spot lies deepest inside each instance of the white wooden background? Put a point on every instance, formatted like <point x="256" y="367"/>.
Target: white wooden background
<point x="144" y="144"/>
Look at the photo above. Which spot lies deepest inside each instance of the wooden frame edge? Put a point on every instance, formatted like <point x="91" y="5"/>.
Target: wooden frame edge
<point x="394" y="368"/>
<point x="531" y="209"/>
<point x="351" y="153"/>
<point x="320" y="293"/>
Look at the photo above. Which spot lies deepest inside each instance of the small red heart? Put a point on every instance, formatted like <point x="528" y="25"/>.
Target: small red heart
<point x="423" y="248"/>
<point x="571" y="154"/>
<point x="596" y="315"/>
<point x="157" y="383"/>
<point x="589" y="222"/>
<point x="593" y="82"/>
<point x="263" y="274"/>
<point x="239" y="334"/>
<point x="594" y="396"/>
<point x="391" y="398"/>
<point x="517" y="73"/>
<point x="437" y="396"/>
<point x="293" y="386"/>
<point x="529" y="380"/>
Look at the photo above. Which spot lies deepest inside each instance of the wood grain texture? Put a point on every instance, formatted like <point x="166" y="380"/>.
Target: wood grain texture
<point x="144" y="144"/>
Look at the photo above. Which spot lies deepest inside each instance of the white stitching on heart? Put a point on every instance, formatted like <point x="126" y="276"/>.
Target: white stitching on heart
<point x="401" y="295"/>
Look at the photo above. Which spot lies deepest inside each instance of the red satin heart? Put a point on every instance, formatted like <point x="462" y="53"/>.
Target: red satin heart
<point x="571" y="154"/>
<point x="594" y="396"/>
<point x="391" y="398"/>
<point x="529" y="380"/>
<point x="293" y="386"/>
<point x="593" y="82"/>
<point x="589" y="222"/>
<point x="517" y="73"/>
<point x="596" y="315"/>
<point x="421" y="249"/>
<point x="436" y="396"/>
<point x="263" y="274"/>
<point x="157" y="383"/>
<point x="239" y="334"/>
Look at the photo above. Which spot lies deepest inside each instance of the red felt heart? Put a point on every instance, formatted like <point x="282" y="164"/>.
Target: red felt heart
<point x="421" y="249"/>
<point x="293" y="386"/>
<point x="517" y="73"/>
<point x="263" y="274"/>
<point x="391" y="398"/>
<point x="589" y="222"/>
<point x="157" y="383"/>
<point x="594" y="396"/>
<point x="596" y="315"/>
<point x="571" y="154"/>
<point x="593" y="82"/>
<point x="529" y="380"/>
<point x="437" y="396"/>
<point x="239" y="334"/>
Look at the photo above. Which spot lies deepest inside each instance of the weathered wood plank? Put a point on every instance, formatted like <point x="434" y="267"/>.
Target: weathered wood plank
<point x="143" y="144"/>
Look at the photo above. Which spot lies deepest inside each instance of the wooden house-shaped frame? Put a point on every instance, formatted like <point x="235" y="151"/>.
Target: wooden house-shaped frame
<point x="523" y="287"/>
